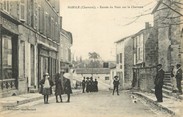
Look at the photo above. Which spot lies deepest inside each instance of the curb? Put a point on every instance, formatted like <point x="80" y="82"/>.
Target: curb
<point x="160" y="107"/>
<point x="5" y="106"/>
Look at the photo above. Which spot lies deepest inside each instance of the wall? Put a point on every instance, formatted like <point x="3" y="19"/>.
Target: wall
<point x="120" y="65"/>
<point x="128" y="63"/>
<point x="145" y="78"/>
<point x="168" y="35"/>
<point x="151" y="49"/>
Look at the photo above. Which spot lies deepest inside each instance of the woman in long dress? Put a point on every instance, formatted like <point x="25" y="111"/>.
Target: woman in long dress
<point x="46" y="87"/>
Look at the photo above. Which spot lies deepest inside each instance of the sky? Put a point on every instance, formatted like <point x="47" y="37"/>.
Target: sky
<point x="96" y="24"/>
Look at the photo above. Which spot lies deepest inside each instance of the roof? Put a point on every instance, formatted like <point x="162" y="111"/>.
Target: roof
<point x="157" y="6"/>
<point x="123" y="39"/>
<point x="67" y="34"/>
<point x="93" y="71"/>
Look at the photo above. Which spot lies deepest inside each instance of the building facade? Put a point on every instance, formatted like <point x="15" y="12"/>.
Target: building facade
<point x="168" y="23"/>
<point x="66" y="42"/>
<point x="29" y="44"/>
<point x="145" y="53"/>
<point x="124" y="59"/>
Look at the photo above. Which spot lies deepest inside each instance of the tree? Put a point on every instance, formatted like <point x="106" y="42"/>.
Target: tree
<point x="94" y="60"/>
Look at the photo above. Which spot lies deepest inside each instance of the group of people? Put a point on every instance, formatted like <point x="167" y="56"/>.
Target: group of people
<point x="89" y="85"/>
<point x="46" y="85"/>
<point x="176" y="74"/>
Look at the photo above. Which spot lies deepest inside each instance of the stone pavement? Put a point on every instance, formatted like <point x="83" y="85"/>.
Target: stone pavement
<point x="24" y="98"/>
<point x="172" y="105"/>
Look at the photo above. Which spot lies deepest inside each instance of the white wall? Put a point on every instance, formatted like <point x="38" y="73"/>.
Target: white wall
<point x="120" y="49"/>
<point x="112" y="74"/>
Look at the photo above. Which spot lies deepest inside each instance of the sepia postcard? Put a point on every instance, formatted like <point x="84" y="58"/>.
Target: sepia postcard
<point x="91" y="58"/>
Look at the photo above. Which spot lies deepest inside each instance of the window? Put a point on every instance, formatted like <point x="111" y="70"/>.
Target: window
<point x="106" y="78"/>
<point x="45" y="20"/>
<point x="138" y="53"/>
<point x="120" y="57"/>
<point x="22" y="10"/>
<point x="135" y="42"/>
<point x="56" y="31"/>
<point x="52" y="28"/>
<point x="117" y="58"/>
<point x="41" y="20"/>
<point x="7" y="57"/>
<point x="6" y="5"/>
<point x="121" y="66"/>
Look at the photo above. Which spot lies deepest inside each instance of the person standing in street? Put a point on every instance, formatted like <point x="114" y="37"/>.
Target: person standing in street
<point x="173" y="79"/>
<point x="67" y="88"/>
<point x="159" y="83"/>
<point x="179" y="78"/>
<point x="116" y="85"/>
<point x="96" y="85"/>
<point x="58" y="88"/>
<point x="87" y="85"/>
<point x="83" y="84"/>
<point x="46" y="87"/>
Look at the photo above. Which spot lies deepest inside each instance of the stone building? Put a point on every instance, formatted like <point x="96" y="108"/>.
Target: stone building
<point x="66" y="42"/>
<point x="145" y="57"/>
<point x="168" y="23"/>
<point x="124" y="61"/>
<point x="29" y="43"/>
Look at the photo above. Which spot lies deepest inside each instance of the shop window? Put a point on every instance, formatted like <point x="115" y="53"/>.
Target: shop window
<point x="7" y="57"/>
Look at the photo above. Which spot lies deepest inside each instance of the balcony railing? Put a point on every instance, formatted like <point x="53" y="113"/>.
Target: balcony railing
<point x="7" y="84"/>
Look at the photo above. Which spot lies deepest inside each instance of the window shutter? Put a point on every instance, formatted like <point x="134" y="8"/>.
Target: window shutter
<point x="56" y="31"/>
<point x="41" y="20"/>
<point x="22" y="11"/>
<point x="49" y="26"/>
<point x="45" y="23"/>
<point x="52" y="30"/>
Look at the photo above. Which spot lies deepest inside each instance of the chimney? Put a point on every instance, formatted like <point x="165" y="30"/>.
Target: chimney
<point x="147" y="25"/>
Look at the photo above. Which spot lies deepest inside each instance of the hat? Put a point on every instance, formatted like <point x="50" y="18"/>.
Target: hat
<point x="159" y="65"/>
<point x="46" y="74"/>
<point x="115" y="76"/>
<point x="178" y="65"/>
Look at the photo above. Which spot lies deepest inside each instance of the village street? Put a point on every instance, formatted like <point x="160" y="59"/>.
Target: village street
<point x="98" y="104"/>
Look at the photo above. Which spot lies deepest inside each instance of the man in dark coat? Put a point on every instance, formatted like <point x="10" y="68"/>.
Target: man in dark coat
<point x="96" y="85"/>
<point x="87" y="85"/>
<point x="83" y="85"/>
<point x="116" y="84"/>
<point x="179" y="78"/>
<point x="67" y="89"/>
<point x="159" y="83"/>
<point x="58" y="88"/>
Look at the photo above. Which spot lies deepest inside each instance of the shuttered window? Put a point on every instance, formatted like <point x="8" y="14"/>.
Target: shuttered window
<point x="41" y="20"/>
<point x="120" y="57"/>
<point x="22" y="10"/>
<point x="6" y="5"/>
